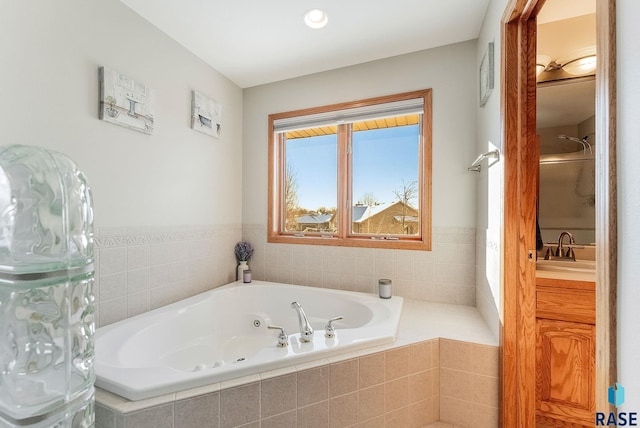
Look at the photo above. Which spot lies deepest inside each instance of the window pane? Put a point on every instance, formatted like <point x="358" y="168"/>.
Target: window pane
<point x="385" y="185"/>
<point x="310" y="183"/>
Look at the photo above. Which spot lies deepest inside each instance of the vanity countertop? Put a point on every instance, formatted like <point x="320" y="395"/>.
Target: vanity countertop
<point x="588" y="276"/>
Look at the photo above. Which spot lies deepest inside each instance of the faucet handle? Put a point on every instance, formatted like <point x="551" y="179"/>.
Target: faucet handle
<point x="329" y="329"/>
<point x="570" y="253"/>
<point x="283" y="339"/>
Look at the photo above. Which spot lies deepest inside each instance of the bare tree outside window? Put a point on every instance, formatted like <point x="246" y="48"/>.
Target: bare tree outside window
<point x="291" y="197"/>
<point x="406" y="194"/>
<point x="368" y="199"/>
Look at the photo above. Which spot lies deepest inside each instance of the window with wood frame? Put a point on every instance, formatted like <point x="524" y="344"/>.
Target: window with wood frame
<point x="353" y="174"/>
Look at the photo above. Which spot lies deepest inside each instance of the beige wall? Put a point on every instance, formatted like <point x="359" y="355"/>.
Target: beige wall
<point x="449" y="70"/>
<point x="446" y="274"/>
<point x="156" y="197"/>
<point x="51" y="52"/>
<point x="489" y="182"/>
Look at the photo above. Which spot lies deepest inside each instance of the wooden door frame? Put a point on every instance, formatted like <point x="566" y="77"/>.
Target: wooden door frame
<point x="521" y="157"/>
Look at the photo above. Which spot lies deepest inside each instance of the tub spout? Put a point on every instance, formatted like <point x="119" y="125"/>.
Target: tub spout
<point x="306" y="332"/>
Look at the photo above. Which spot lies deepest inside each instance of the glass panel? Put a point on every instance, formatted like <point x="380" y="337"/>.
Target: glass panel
<point x="310" y="182"/>
<point x="385" y="186"/>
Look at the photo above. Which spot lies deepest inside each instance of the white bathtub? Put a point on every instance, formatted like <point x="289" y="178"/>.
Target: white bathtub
<point x="222" y="334"/>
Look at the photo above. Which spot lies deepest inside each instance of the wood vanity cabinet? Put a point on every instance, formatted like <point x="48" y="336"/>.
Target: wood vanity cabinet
<point x="565" y="352"/>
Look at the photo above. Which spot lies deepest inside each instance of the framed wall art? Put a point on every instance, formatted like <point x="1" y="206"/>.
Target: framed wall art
<point x="125" y="101"/>
<point x="486" y="75"/>
<point x="206" y="114"/>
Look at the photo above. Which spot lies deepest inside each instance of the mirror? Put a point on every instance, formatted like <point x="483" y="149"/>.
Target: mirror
<point x="565" y="122"/>
<point x="566" y="129"/>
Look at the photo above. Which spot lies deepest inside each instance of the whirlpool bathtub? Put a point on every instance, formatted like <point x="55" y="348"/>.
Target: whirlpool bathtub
<point x="223" y="334"/>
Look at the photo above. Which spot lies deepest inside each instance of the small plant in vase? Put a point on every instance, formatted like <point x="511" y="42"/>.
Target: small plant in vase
<point x="243" y="251"/>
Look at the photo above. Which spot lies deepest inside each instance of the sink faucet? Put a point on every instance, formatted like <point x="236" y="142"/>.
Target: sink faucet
<point x="306" y="332"/>
<point x="569" y="253"/>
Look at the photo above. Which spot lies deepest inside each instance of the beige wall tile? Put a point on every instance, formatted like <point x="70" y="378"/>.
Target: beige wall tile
<point x="484" y="417"/>
<point x="396" y="419"/>
<point x="456" y="384"/>
<point x="157" y="417"/>
<point x="314" y="416"/>
<point x="396" y="394"/>
<point x="371" y="369"/>
<point x="284" y="420"/>
<point x="485" y="390"/>
<point x="278" y="395"/>
<point x="377" y="422"/>
<point x="436" y="407"/>
<point x="105" y="417"/>
<point x="428" y="381"/>
<point x="343" y="410"/>
<point x="486" y="360"/>
<point x="420" y="356"/>
<point x="255" y="424"/>
<point x="421" y="413"/>
<point x="456" y="412"/>
<point x="420" y="386"/>
<point x="203" y="411"/>
<point x="313" y="385"/>
<point x="240" y="405"/>
<point x="343" y="377"/>
<point x="435" y="353"/>
<point x="435" y="379"/>
<point x="371" y="402"/>
<point x="396" y="363"/>
<point x="455" y="354"/>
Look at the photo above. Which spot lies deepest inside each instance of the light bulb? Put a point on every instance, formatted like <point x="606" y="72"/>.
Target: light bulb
<point x="316" y="18"/>
<point x="581" y="65"/>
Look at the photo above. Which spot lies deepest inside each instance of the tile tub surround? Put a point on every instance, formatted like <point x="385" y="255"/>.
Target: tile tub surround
<point x="142" y="268"/>
<point x="397" y="385"/>
<point x="447" y="274"/>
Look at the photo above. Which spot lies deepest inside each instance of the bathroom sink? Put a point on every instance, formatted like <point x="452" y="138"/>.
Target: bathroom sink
<point x="566" y="265"/>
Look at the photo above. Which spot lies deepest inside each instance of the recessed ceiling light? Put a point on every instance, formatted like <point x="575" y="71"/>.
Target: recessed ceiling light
<point x="316" y="18"/>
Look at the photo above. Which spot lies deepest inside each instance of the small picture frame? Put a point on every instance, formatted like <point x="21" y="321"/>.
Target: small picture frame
<point x="206" y="114"/>
<point x="125" y="101"/>
<point x="486" y="75"/>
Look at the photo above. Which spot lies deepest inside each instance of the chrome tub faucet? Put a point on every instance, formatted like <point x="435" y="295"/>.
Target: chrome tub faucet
<point x="329" y="329"/>
<point x="283" y="339"/>
<point x="306" y="332"/>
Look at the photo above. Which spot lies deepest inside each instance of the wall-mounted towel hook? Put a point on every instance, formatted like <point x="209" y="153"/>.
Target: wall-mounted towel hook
<point x="476" y="167"/>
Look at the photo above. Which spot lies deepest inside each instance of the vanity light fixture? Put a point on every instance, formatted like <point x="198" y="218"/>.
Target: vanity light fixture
<point x="581" y="62"/>
<point x="542" y="62"/>
<point x="316" y="18"/>
<point x="581" y="66"/>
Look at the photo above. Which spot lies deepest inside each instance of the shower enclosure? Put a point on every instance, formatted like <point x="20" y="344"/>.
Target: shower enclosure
<point x="46" y="299"/>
